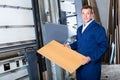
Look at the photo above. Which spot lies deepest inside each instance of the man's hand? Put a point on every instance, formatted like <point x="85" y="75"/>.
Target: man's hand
<point x="86" y="60"/>
<point x="67" y="45"/>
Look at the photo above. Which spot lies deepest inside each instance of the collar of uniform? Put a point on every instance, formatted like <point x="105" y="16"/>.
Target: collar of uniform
<point x="85" y="26"/>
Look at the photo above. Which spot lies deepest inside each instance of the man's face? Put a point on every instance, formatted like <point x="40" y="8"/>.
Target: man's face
<point x="87" y="15"/>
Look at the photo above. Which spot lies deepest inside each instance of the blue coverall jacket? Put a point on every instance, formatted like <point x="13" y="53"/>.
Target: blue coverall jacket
<point x="93" y="43"/>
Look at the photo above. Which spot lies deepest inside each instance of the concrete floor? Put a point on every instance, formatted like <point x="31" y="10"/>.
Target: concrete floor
<point x="110" y="72"/>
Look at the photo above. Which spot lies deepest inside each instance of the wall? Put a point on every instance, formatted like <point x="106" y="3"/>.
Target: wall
<point x="103" y="8"/>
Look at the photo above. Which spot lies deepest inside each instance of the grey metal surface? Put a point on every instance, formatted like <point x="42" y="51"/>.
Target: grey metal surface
<point x="16" y="47"/>
<point x="55" y="32"/>
<point x="8" y="55"/>
<point x="59" y="33"/>
<point x="32" y="64"/>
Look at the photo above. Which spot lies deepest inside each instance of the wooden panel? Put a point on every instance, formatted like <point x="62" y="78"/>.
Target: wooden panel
<point x="96" y="13"/>
<point x="119" y="11"/>
<point x="65" y="57"/>
<point x="119" y="28"/>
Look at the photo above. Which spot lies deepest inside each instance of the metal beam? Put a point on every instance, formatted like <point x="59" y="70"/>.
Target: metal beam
<point x="78" y="6"/>
<point x="39" y="38"/>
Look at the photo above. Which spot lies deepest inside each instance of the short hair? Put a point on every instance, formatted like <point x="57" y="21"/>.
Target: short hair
<point x="87" y="6"/>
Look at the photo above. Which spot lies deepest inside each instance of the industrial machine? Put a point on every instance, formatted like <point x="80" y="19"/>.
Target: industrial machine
<point x="17" y="43"/>
<point x="27" y="25"/>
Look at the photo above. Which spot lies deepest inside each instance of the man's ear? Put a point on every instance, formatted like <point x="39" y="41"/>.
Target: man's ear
<point x="92" y="16"/>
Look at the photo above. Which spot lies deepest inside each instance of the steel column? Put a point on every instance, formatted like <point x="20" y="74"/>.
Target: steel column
<point x="39" y="38"/>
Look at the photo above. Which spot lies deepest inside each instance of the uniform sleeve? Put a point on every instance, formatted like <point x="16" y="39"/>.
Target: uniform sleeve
<point x="102" y="44"/>
<point x="74" y="45"/>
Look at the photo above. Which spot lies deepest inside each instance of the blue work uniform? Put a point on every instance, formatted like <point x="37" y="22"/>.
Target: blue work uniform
<point x="93" y="43"/>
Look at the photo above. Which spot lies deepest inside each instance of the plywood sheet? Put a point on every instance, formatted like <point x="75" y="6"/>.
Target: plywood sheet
<point x="64" y="57"/>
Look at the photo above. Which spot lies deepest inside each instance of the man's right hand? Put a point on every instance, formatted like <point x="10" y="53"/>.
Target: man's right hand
<point x="67" y="45"/>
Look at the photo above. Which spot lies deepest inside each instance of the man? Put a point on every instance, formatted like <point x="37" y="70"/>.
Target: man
<point x="91" y="42"/>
